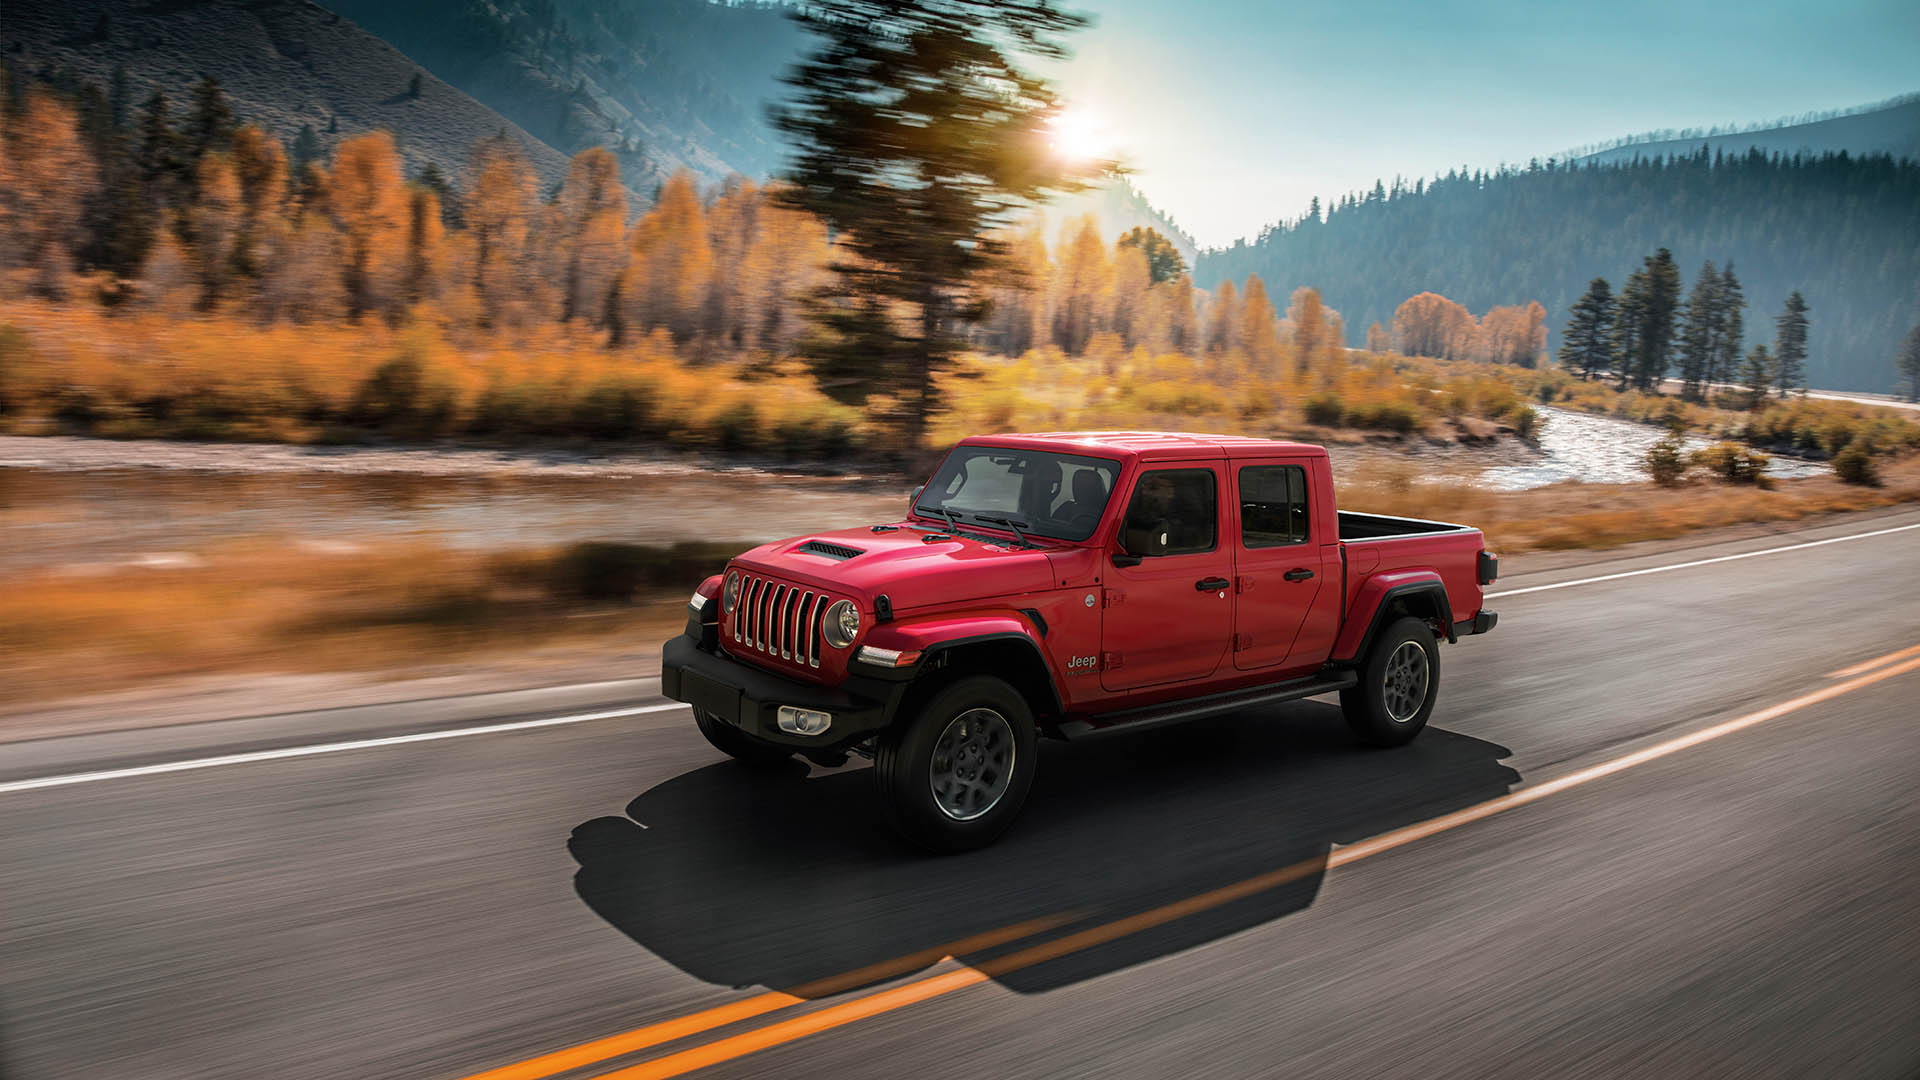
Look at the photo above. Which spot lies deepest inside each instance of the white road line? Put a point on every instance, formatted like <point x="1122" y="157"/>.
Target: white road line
<point x="38" y="783"/>
<point x="1700" y="562"/>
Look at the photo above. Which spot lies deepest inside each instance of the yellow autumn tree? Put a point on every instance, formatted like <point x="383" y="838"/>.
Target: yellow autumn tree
<point x="592" y="242"/>
<point x="54" y="176"/>
<point x="1259" y="330"/>
<point x="1432" y="325"/>
<point x="369" y="202"/>
<point x="1083" y="287"/>
<point x="216" y="218"/>
<point x="499" y="209"/>
<point x="671" y="262"/>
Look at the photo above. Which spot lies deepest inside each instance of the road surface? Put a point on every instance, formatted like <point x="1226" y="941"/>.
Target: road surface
<point x="1664" y="824"/>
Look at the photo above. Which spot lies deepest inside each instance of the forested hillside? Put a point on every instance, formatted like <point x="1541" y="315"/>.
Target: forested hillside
<point x="306" y="76"/>
<point x="664" y="84"/>
<point x="1888" y="127"/>
<point x="1839" y="229"/>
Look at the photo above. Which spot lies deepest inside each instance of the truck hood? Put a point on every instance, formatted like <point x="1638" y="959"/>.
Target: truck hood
<point x="913" y="572"/>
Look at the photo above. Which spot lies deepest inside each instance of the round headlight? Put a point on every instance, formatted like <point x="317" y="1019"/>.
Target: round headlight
<point x="731" y="593"/>
<point x="841" y="624"/>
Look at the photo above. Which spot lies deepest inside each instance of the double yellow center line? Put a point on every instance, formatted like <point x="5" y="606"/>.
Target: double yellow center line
<point x="886" y="1000"/>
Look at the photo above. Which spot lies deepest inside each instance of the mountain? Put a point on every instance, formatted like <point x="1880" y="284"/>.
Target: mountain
<point x="284" y="63"/>
<point x="1118" y="206"/>
<point x="1889" y="127"/>
<point x="1840" y="229"/>
<point x="665" y="84"/>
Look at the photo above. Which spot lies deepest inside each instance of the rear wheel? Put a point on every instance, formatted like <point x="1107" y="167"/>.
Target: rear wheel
<point x="735" y="743"/>
<point x="954" y="772"/>
<point x="1398" y="685"/>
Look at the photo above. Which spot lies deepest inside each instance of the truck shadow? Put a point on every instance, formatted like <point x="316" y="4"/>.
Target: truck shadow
<point x="790" y="881"/>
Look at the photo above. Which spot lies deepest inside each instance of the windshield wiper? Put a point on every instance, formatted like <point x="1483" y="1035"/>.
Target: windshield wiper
<point x="952" y="525"/>
<point x="1011" y="523"/>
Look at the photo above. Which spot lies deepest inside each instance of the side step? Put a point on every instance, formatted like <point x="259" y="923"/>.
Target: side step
<point x="1174" y="712"/>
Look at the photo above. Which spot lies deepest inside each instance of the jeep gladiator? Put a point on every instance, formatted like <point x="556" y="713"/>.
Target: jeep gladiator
<point x="1071" y="585"/>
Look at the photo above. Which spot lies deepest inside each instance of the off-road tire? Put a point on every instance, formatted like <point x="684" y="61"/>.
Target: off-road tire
<point x="1396" y="692"/>
<point x="972" y="722"/>
<point x="738" y="744"/>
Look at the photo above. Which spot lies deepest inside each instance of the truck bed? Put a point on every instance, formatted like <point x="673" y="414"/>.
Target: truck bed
<point x="1357" y="526"/>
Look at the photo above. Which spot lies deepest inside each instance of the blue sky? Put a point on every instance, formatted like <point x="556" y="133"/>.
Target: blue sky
<point x="1234" y="113"/>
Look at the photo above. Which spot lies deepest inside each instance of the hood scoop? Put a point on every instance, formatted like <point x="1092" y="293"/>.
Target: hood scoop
<point x="828" y="550"/>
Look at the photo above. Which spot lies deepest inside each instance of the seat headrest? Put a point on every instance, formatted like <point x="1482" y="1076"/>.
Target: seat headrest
<point x="1089" y="486"/>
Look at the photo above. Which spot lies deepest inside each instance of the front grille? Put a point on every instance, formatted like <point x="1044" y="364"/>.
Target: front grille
<point x="779" y="620"/>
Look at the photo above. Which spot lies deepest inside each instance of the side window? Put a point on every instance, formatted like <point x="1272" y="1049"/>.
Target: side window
<point x="1273" y="505"/>
<point x="1173" y="512"/>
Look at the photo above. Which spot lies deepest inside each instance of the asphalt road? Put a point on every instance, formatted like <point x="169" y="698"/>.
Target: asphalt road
<point x="1609" y="856"/>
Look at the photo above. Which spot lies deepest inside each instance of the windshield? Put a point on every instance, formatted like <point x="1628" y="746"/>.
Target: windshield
<point x="1045" y="494"/>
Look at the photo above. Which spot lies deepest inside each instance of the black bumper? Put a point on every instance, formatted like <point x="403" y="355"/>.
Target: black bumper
<point x="1481" y="623"/>
<point x="750" y="698"/>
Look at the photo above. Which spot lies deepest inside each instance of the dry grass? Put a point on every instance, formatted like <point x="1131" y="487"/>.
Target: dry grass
<point x="269" y="605"/>
<point x="1574" y="515"/>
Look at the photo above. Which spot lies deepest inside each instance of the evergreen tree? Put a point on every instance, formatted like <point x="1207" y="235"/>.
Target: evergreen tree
<point x="896" y="93"/>
<point x="119" y="96"/>
<point x="1700" y="336"/>
<point x="210" y="124"/>
<point x="1588" y="347"/>
<point x="1629" y="324"/>
<point x="1906" y="363"/>
<point x="1757" y="375"/>
<point x="305" y="150"/>
<point x="433" y="179"/>
<point x="1660" y="303"/>
<point x="1163" y="259"/>
<point x="1790" y="345"/>
<point x="1733" y="304"/>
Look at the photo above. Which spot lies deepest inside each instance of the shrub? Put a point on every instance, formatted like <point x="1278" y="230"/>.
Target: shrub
<point x="400" y="398"/>
<point x="1666" y="462"/>
<point x="604" y="570"/>
<point x="1855" y="466"/>
<point x="1525" y="421"/>
<point x="1396" y="416"/>
<point x="1731" y="462"/>
<point x="1324" y="408"/>
<point x="614" y="408"/>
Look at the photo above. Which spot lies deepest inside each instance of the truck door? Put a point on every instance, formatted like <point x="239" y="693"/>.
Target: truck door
<point x="1170" y="618"/>
<point x="1287" y="571"/>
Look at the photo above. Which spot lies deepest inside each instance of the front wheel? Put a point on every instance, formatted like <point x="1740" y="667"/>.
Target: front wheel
<point x="953" y="774"/>
<point x="735" y="743"/>
<point x="1398" y="685"/>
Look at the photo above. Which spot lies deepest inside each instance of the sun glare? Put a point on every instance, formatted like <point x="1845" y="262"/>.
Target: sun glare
<point x="1080" y="134"/>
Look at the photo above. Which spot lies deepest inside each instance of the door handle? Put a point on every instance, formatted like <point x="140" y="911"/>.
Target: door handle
<point x="1298" y="573"/>
<point x="1211" y="584"/>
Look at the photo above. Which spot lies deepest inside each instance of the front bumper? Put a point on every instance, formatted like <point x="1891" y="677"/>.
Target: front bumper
<point x="749" y="698"/>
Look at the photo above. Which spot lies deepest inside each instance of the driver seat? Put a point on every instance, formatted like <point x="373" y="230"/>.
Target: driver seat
<point x="1089" y="497"/>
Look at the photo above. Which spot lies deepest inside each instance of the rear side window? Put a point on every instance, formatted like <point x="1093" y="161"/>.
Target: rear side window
<point x="1273" y="505"/>
<point x="1176" y="503"/>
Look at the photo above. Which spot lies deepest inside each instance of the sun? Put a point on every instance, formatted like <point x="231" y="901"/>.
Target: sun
<point x="1079" y="134"/>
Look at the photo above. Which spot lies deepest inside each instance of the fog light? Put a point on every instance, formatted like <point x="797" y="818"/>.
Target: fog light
<point x="797" y="721"/>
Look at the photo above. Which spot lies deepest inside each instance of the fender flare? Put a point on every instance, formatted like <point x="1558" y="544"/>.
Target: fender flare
<point x="937" y="634"/>
<point x="1376" y="598"/>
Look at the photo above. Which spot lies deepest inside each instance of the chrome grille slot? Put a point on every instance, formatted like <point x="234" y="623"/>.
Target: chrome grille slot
<point x="780" y="621"/>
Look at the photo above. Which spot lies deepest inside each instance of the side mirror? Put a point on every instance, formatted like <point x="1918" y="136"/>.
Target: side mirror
<point x="1141" y="540"/>
<point x="913" y="500"/>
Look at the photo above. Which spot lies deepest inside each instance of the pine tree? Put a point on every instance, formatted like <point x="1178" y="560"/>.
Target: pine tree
<point x="1163" y="259"/>
<point x="1587" y="346"/>
<point x="433" y="179"/>
<point x="1629" y="327"/>
<point x="1733" y="303"/>
<point x="210" y="124"/>
<point x="894" y="93"/>
<point x="1790" y="345"/>
<point x="1906" y="363"/>
<point x="1700" y="335"/>
<point x="306" y="149"/>
<point x="1757" y="375"/>
<point x="1660" y="303"/>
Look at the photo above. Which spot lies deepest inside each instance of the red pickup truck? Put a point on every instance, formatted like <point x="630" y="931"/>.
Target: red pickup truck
<point x="1071" y="585"/>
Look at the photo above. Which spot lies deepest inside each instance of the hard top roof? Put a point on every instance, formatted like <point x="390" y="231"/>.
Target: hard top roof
<point x="1147" y="445"/>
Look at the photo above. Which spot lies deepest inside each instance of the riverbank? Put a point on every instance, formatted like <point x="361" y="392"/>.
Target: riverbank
<point x="75" y="622"/>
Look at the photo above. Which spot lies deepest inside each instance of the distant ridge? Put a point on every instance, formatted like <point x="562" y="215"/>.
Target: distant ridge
<point x="283" y="63"/>
<point x="1890" y="127"/>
